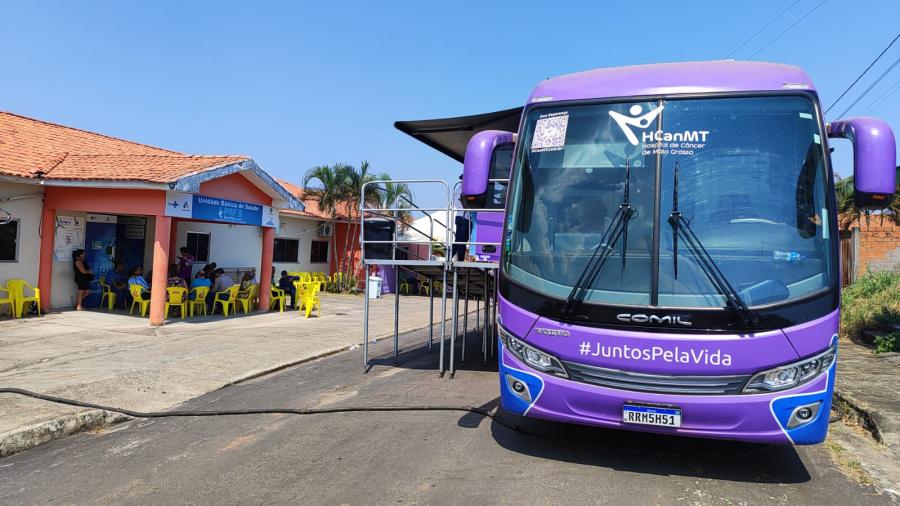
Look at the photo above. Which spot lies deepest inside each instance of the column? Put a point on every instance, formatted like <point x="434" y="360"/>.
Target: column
<point x="173" y="241"/>
<point x="265" y="270"/>
<point x="45" y="268"/>
<point x="161" y="239"/>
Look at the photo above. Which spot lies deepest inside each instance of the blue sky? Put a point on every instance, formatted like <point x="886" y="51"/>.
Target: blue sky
<point x="301" y="84"/>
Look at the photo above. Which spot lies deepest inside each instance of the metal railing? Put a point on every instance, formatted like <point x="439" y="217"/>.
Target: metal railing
<point x="446" y="264"/>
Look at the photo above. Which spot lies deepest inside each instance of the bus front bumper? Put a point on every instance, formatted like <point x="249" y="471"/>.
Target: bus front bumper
<point x="758" y="418"/>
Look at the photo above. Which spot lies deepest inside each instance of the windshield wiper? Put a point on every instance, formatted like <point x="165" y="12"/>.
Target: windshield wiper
<point x="616" y="229"/>
<point x="682" y="227"/>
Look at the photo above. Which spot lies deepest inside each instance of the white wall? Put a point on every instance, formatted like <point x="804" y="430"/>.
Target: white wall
<point x="305" y="230"/>
<point x="230" y="246"/>
<point x="28" y="211"/>
<point x="62" y="283"/>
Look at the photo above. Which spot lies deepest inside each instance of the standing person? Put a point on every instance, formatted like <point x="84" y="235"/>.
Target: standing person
<point x="185" y="263"/>
<point x="461" y="232"/>
<point x="83" y="277"/>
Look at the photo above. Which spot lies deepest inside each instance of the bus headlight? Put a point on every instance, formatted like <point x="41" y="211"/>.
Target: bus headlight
<point x="534" y="357"/>
<point x="791" y="375"/>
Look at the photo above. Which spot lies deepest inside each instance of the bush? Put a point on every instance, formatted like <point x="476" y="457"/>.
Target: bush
<point x="872" y="303"/>
<point x="887" y="342"/>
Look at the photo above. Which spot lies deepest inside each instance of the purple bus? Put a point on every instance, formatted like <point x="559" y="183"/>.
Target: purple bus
<point x="669" y="253"/>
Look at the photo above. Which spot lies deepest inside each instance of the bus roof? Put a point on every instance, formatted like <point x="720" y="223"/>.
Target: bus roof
<point x="672" y="79"/>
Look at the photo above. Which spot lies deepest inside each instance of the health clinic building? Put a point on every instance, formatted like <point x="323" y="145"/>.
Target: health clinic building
<point x="63" y="189"/>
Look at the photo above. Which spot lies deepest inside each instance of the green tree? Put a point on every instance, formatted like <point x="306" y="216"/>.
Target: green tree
<point x="328" y="194"/>
<point x="354" y="181"/>
<point x="849" y="213"/>
<point x="395" y="196"/>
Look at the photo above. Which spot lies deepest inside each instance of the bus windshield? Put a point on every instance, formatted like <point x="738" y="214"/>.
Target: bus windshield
<point x="751" y="186"/>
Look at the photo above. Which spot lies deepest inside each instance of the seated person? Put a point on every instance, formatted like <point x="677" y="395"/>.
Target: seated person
<point x="200" y="280"/>
<point x="247" y="280"/>
<point x="175" y="278"/>
<point x="137" y="278"/>
<point x="286" y="283"/>
<point x="117" y="279"/>
<point x="221" y="281"/>
<point x="207" y="270"/>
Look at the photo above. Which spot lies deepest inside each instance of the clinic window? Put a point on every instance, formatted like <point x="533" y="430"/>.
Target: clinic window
<point x="9" y="241"/>
<point x="287" y="250"/>
<point x="318" y="253"/>
<point x="198" y="246"/>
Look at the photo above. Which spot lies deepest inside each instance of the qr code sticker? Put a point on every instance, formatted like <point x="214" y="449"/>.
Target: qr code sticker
<point x="550" y="133"/>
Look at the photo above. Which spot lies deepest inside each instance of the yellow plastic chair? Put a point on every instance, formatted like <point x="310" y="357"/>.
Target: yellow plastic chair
<point x="108" y="294"/>
<point x="278" y="297"/>
<point x="308" y="295"/>
<point x="338" y="279"/>
<point x="321" y="278"/>
<point x="226" y="299"/>
<point x="8" y="300"/>
<point x="404" y="286"/>
<point x="199" y="300"/>
<point x="248" y="298"/>
<point x="137" y="299"/>
<point x="20" y="300"/>
<point x="178" y="299"/>
<point x="305" y="277"/>
<point x="424" y="286"/>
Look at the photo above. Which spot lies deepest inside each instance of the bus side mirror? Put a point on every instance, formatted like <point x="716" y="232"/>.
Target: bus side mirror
<point x="477" y="166"/>
<point x="874" y="159"/>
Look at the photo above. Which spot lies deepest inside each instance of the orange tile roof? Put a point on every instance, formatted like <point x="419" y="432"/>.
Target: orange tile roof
<point x="312" y="205"/>
<point x="149" y="168"/>
<point x="31" y="148"/>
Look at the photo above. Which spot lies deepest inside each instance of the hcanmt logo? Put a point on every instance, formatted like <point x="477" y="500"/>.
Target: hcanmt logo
<point x="636" y="119"/>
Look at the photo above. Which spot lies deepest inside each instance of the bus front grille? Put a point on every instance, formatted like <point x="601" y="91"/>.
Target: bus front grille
<point x="655" y="383"/>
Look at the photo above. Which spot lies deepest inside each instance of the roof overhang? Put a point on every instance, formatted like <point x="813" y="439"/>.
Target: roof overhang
<point x="451" y="135"/>
<point x="281" y="198"/>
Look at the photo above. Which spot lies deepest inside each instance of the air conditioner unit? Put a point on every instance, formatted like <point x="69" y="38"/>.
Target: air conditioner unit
<point x="325" y="229"/>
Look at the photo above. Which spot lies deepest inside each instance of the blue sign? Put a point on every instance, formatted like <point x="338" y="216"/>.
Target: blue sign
<point x="202" y="207"/>
<point x="227" y="211"/>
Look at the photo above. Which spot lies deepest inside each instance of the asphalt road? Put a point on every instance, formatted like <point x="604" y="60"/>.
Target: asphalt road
<point x="424" y="457"/>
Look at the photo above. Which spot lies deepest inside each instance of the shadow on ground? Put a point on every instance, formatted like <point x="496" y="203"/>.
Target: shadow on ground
<point x="637" y="452"/>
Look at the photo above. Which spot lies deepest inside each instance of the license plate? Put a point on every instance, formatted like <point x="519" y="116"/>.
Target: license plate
<point x="651" y="415"/>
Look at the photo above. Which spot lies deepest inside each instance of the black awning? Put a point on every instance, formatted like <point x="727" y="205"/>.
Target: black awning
<point x="451" y="135"/>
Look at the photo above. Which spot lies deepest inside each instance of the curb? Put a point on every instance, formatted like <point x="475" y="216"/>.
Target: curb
<point x="25" y="438"/>
<point x="859" y="412"/>
<point x="22" y="439"/>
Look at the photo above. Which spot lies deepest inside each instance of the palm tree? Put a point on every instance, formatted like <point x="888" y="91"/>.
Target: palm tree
<point x="328" y="194"/>
<point x="353" y="182"/>
<point x="395" y="196"/>
<point x="849" y="213"/>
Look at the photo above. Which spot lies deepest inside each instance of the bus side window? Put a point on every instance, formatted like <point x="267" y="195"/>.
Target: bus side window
<point x="807" y="217"/>
<point x="501" y="163"/>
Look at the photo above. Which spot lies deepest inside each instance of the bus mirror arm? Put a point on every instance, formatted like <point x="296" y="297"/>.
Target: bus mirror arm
<point x="874" y="159"/>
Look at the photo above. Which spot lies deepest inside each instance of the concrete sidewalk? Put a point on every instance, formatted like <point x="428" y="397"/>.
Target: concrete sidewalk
<point x="118" y="360"/>
<point x="867" y="393"/>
